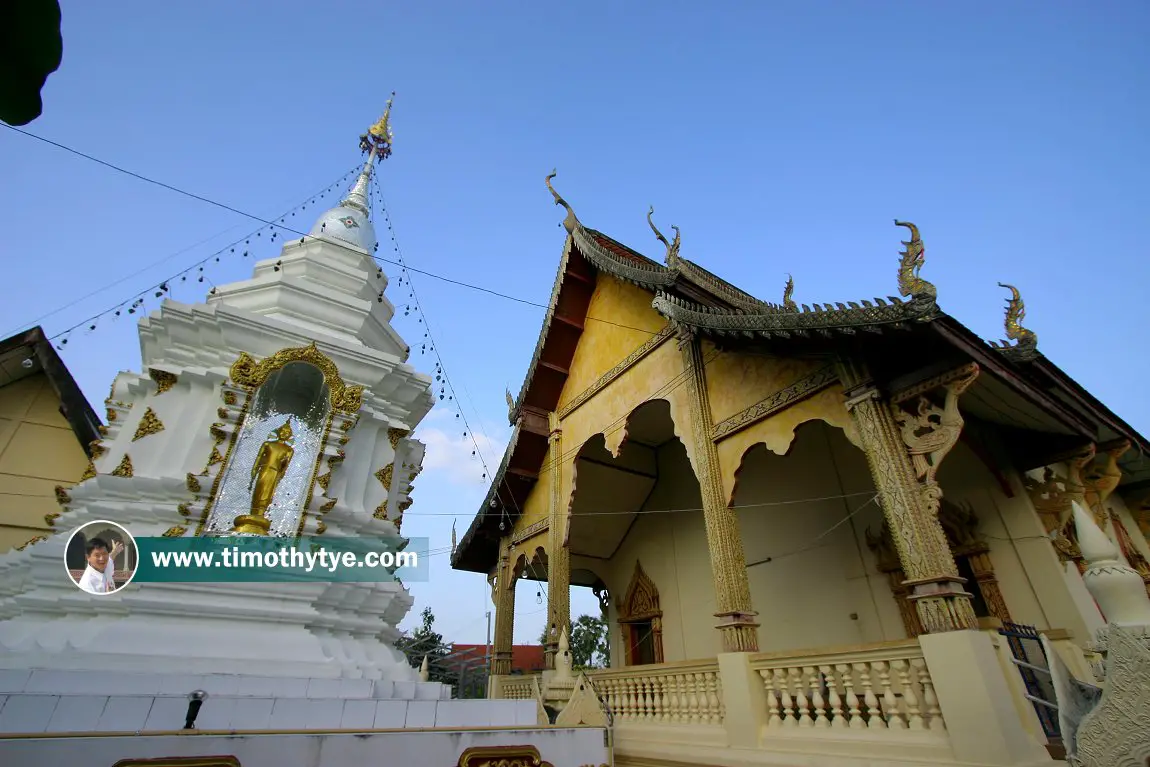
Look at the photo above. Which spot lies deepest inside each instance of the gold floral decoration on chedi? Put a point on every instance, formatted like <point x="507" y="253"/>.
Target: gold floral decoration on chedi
<point x="229" y="398"/>
<point x="150" y="424"/>
<point x="185" y="509"/>
<point x="193" y="483"/>
<point x="124" y="469"/>
<point x="250" y="374"/>
<point x="31" y="542"/>
<point x="328" y="506"/>
<point x="384" y="476"/>
<point x="164" y="380"/>
<point x="175" y="532"/>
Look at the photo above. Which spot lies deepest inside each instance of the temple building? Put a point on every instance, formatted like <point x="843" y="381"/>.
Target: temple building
<point x="47" y="428"/>
<point x="830" y="530"/>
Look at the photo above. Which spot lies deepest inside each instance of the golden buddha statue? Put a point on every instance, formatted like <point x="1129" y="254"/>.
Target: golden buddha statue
<point x="268" y="470"/>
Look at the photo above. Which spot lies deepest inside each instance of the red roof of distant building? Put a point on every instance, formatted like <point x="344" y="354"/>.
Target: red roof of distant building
<point x="524" y="657"/>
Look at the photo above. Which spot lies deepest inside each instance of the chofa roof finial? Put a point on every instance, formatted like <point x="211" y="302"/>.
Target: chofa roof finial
<point x="910" y="284"/>
<point x="672" y="247"/>
<point x="1026" y="341"/>
<point x="788" y="295"/>
<point x="571" y="220"/>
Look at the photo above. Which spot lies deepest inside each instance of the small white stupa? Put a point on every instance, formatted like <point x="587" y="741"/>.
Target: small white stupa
<point x="1117" y="588"/>
<point x="304" y="345"/>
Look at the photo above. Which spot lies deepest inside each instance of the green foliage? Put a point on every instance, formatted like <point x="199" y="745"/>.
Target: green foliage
<point x="31" y="48"/>
<point x="426" y="641"/>
<point x="588" y="640"/>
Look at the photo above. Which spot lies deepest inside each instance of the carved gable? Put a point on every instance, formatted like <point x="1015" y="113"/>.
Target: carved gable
<point x="642" y="599"/>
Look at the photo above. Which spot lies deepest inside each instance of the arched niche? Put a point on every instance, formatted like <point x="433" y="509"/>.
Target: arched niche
<point x="300" y="390"/>
<point x="641" y="620"/>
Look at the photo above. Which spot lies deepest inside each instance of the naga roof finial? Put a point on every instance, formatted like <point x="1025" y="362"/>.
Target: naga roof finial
<point x="571" y="220"/>
<point x="1026" y="341"/>
<point x="909" y="283"/>
<point x="510" y="404"/>
<point x="788" y="293"/>
<point x="672" y="247"/>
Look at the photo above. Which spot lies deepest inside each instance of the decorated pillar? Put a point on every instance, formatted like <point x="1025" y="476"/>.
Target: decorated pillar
<point x="904" y="449"/>
<point x="503" y="593"/>
<point x="728" y="562"/>
<point x="558" y="555"/>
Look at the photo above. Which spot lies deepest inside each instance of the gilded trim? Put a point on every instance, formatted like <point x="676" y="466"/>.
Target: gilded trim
<point x="782" y="399"/>
<point x="125" y="468"/>
<point x="163" y="379"/>
<point x="530" y="531"/>
<point x="250" y="374"/>
<point x="644" y="349"/>
<point x="174" y="532"/>
<point x="149" y="424"/>
<point x="501" y="756"/>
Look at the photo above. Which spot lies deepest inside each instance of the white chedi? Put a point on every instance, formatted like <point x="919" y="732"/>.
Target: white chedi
<point x="322" y="302"/>
<point x="1117" y="588"/>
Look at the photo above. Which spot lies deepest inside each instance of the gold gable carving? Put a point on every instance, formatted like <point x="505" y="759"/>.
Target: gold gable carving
<point x="250" y="374"/>
<point x="642" y="598"/>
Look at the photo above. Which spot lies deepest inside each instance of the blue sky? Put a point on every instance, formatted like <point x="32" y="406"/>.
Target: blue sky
<point x="780" y="137"/>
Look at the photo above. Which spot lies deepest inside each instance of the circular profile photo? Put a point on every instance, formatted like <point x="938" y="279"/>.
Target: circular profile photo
<point x="101" y="557"/>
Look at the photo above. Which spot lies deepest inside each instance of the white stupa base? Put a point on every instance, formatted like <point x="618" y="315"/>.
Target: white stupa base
<point x="297" y="630"/>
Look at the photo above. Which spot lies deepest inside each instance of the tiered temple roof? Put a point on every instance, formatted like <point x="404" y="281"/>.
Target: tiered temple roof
<point x="1024" y="392"/>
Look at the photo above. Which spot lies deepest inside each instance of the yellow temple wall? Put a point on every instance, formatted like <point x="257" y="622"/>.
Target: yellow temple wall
<point x="38" y="450"/>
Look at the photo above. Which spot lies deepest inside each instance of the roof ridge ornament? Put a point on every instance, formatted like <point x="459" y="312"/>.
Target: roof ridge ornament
<point x="571" y="221"/>
<point x="789" y="304"/>
<point x="910" y="284"/>
<point x="1025" y="347"/>
<point x="672" y="247"/>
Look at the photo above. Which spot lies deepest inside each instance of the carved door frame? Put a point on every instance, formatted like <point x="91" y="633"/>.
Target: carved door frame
<point x="640" y="605"/>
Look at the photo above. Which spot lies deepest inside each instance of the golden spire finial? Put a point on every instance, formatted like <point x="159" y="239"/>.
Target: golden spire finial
<point x="672" y="247"/>
<point x="379" y="136"/>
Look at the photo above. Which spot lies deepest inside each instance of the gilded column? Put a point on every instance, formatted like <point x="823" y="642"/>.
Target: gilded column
<point x="504" y="593"/>
<point x="558" y="555"/>
<point x="936" y="587"/>
<point x="737" y="623"/>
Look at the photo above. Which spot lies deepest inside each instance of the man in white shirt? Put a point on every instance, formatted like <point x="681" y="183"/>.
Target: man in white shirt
<point x="98" y="577"/>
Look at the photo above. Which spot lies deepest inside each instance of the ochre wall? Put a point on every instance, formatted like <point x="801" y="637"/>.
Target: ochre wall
<point x="38" y="450"/>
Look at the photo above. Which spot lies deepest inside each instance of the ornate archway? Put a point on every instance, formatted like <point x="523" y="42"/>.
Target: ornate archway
<point x="641" y="621"/>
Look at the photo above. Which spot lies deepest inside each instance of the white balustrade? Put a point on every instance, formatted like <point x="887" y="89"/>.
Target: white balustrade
<point x="873" y="687"/>
<point x="670" y="693"/>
